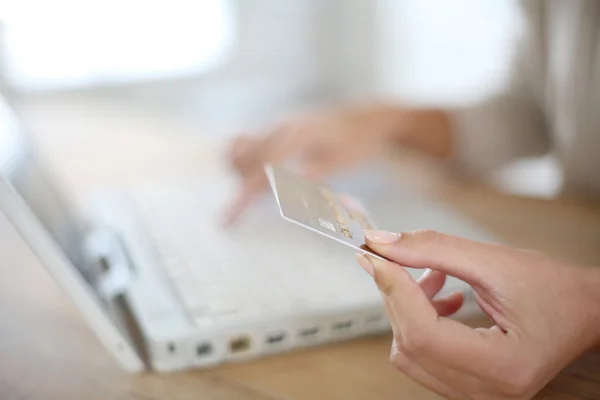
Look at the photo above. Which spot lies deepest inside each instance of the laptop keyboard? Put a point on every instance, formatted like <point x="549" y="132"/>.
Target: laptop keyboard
<point x="262" y="266"/>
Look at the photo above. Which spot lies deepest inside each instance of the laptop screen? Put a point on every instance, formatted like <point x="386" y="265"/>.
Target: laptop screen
<point x="21" y="167"/>
<point x="63" y="255"/>
<point x="29" y="179"/>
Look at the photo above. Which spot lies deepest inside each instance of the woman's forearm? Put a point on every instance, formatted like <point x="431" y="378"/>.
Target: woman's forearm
<point x="428" y="131"/>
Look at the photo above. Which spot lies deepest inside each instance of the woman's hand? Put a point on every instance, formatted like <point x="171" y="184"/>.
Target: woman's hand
<point x="327" y="142"/>
<point x="320" y="144"/>
<point x="546" y="313"/>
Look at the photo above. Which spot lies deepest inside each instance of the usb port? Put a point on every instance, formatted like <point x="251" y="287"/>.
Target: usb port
<point x="342" y="326"/>
<point x="204" y="349"/>
<point x="275" y="338"/>
<point x="308" y="332"/>
<point x="171" y="347"/>
<point x="374" y="319"/>
<point x="239" y="344"/>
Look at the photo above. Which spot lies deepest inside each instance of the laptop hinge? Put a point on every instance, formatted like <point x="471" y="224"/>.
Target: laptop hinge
<point x="113" y="273"/>
<point x="109" y="263"/>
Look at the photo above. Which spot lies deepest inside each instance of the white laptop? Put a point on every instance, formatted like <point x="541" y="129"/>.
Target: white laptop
<point x="164" y="287"/>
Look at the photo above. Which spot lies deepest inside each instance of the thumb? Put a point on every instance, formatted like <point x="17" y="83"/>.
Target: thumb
<point x="404" y="294"/>
<point x="422" y="332"/>
<point x="459" y="257"/>
<point x="394" y="281"/>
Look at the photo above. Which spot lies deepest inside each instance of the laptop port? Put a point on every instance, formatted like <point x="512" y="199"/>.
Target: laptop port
<point x="275" y="338"/>
<point x="171" y="347"/>
<point x="308" y="332"/>
<point x="239" y="344"/>
<point x="342" y="326"/>
<point x="374" y="319"/>
<point x="204" y="349"/>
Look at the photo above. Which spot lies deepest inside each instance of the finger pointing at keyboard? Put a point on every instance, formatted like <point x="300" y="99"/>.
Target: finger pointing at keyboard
<point x="546" y="313"/>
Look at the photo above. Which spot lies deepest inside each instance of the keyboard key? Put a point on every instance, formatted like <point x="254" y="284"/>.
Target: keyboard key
<point x="203" y="321"/>
<point x="195" y="303"/>
<point x="217" y="291"/>
<point x="223" y="305"/>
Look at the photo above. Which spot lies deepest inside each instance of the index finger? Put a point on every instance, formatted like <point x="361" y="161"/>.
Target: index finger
<point x="251" y="188"/>
<point x="456" y="256"/>
<point x="424" y="333"/>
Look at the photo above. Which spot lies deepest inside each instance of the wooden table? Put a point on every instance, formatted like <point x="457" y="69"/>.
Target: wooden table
<point x="47" y="352"/>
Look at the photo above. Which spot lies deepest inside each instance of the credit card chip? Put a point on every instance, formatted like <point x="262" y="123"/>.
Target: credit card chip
<point x="326" y="224"/>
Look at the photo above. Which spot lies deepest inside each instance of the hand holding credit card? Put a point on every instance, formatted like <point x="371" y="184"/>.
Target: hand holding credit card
<point x="317" y="208"/>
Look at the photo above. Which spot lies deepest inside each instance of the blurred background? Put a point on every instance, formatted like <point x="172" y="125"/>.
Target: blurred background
<point x="233" y="65"/>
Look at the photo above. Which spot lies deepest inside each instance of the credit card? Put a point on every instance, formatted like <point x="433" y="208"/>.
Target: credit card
<point x="340" y="217"/>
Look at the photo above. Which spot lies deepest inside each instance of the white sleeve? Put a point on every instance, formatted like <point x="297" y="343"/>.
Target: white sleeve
<point x="510" y="124"/>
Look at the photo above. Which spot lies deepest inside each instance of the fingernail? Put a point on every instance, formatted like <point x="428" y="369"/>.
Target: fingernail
<point x="382" y="237"/>
<point x="425" y="274"/>
<point x="364" y="262"/>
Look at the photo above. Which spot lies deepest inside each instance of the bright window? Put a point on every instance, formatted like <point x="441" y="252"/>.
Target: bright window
<point x="60" y="43"/>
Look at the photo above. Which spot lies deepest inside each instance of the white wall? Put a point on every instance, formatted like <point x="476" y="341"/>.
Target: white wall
<point x="445" y="51"/>
<point x="287" y="53"/>
<point x="73" y="43"/>
<point x="423" y="47"/>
